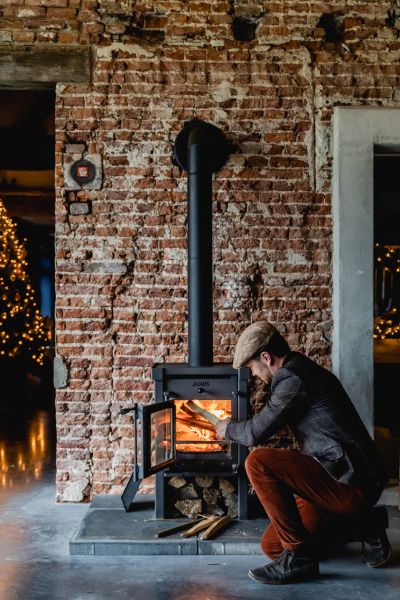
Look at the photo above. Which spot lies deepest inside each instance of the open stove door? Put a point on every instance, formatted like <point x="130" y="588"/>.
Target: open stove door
<point x="155" y="423"/>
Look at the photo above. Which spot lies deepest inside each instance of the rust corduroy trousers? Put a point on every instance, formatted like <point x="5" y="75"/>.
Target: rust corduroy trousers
<point x="307" y="507"/>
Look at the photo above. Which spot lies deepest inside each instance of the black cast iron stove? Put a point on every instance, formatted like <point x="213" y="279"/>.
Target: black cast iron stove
<point x="170" y="445"/>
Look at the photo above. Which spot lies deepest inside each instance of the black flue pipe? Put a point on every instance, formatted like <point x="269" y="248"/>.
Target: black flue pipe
<point x="200" y="272"/>
<point x="201" y="149"/>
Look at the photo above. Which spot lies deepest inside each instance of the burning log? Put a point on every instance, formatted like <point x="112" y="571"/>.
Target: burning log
<point x="193" y="428"/>
<point x="204" y="413"/>
<point x="219" y="524"/>
<point x="195" y="423"/>
<point x="192" y="414"/>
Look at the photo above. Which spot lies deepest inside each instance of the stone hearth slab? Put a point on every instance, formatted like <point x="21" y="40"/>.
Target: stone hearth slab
<point x="107" y="529"/>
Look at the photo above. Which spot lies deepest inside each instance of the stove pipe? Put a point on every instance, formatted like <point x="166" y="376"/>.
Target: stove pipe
<point x="200" y="149"/>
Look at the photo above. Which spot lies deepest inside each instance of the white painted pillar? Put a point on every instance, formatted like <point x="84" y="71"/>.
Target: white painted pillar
<point x="356" y="130"/>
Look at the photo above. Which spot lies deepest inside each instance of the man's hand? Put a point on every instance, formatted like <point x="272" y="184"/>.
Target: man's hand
<point x="220" y="428"/>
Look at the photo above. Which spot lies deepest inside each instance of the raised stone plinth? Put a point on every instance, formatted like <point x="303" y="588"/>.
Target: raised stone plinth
<point x="107" y="529"/>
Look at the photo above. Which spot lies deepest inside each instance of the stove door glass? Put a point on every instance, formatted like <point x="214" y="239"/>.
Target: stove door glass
<point x="158" y="437"/>
<point x="161" y="437"/>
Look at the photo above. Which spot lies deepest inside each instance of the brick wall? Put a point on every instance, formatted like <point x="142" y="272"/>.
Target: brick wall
<point x="268" y="74"/>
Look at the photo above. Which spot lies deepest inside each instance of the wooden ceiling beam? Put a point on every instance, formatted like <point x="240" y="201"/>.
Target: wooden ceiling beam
<point x="41" y="67"/>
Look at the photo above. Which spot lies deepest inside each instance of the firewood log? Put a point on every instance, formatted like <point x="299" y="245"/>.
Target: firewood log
<point x="187" y="492"/>
<point x="204" y="482"/>
<point x="190" y="507"/>
<point x="192" y="414"/>
<point x="204" y="413"/>
<point x="199" y="527"/>
<point x="177" y="528"/>
<point x="214" y="509"/>
<point x="214" y="527"/>
<point x="177" y="482"/>
<point x="195" y="423"/>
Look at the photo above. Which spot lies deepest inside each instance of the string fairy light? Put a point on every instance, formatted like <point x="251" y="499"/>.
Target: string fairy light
<point x="22" y="328"/>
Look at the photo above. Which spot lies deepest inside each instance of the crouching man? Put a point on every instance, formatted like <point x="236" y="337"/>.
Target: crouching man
<point x="326" y="492"/>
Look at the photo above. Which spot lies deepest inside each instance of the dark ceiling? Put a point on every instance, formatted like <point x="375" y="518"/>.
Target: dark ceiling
<point x="387" y="198"/>
<point x="27" y="155"/>
<point x="27" y="130"/>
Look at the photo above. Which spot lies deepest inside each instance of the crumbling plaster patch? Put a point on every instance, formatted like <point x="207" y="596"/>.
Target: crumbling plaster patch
<point x="108" y="52"/>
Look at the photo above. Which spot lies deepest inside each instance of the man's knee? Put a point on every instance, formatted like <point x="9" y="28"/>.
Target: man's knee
<point x="259" y="459"/>
<point x="252" y="461"/>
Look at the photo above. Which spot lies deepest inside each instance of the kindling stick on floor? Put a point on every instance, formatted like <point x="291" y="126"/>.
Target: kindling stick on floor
<point x="214" y="527"/>
<point x="199" y="527"/>
<point x="177" y="528"/>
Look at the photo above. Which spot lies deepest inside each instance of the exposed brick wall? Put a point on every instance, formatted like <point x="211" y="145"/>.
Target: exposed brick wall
<point x="121" y="269"/>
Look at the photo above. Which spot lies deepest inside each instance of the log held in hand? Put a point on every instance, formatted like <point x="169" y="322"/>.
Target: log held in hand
<point x="204" y="413"/>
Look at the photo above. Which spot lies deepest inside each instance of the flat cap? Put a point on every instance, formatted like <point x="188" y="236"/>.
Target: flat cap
<point x="251" y="340"/>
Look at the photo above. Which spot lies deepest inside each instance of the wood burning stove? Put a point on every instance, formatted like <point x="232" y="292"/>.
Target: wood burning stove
<point x="176" y="440"/>
<point x="221" y="389"/>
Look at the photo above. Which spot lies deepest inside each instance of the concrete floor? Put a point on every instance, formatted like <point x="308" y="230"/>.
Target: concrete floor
<point x="35" y="532"/>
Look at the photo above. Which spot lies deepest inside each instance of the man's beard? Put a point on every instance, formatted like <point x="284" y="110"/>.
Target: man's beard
<point x="268" y="375"/>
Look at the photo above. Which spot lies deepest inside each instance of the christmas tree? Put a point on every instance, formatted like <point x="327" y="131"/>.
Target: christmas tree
<point x="22" y="331"/>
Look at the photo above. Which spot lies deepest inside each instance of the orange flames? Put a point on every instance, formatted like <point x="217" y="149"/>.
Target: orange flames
<point x="193" y="432"/>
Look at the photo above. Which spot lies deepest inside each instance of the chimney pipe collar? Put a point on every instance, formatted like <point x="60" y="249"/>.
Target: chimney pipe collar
<point x="211" y="138"/>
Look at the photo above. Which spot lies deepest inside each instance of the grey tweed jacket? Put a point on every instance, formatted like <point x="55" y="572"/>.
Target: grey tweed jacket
<point x="312" y="402"/>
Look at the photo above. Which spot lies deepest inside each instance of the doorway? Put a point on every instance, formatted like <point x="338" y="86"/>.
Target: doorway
<point x="362" y="136"/>
<point x="27" y="267"/>
<point x="387" y="305"/>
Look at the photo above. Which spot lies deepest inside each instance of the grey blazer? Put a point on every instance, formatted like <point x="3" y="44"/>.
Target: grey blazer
<point x="312" y="402"/>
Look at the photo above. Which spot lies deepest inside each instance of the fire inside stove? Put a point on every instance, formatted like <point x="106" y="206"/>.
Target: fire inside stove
<point x="194" y="433"/>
